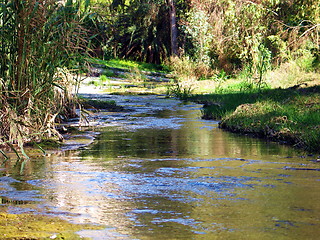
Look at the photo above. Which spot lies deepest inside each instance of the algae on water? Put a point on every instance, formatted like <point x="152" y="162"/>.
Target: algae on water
<point x="28" y="226"/>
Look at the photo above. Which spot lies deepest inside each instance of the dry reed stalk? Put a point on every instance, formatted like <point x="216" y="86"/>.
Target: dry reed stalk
<point x="38" y="39"/>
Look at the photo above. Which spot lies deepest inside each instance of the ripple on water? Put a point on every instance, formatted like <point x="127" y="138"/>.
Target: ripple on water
<point x="183" y="179"/>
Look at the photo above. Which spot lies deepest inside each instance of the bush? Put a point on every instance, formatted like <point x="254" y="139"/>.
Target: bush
<point x="184" y="67"/>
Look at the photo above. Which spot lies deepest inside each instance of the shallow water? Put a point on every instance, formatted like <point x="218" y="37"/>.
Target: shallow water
<point x="160" y="172"/>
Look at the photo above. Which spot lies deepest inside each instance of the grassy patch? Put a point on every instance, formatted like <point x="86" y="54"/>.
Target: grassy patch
<point x="27" y="226"/>
<point x="129" y="65"/>
<point x="286" y="115"/>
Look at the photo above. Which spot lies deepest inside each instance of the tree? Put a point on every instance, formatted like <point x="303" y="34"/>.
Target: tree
<point x="173" y="28"/>
<point x="144" y="30"/>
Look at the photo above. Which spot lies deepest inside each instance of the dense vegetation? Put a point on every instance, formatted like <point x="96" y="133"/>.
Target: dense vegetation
<point x="223" y="35"/>
<point x="42" y="42"/>
<point x="39" y="41"/>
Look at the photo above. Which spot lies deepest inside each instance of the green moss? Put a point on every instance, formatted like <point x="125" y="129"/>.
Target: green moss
<point x="27" y="226"/>
<point x="100" y="104"/>
<point x="50" y="144"/>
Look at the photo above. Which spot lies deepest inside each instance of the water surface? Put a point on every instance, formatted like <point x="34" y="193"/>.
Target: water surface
<point x="160" y="172"/>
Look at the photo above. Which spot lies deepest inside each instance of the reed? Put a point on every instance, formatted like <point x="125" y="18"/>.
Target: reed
<point x="38" y="40"/>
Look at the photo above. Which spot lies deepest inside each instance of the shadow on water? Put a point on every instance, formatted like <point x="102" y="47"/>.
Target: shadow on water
<point x="163" y="173"/>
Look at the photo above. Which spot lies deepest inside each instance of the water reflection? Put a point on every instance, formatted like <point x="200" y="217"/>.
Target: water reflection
<point x="181" y="179"/>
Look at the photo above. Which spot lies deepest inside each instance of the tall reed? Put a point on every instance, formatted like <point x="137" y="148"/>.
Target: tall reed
<point x="38" y="38"/>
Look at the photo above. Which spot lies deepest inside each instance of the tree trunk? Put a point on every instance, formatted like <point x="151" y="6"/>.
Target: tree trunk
<point x="173" y="28"/>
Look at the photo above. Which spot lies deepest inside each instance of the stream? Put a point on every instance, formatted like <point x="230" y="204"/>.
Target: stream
<point x="158" y="171"/>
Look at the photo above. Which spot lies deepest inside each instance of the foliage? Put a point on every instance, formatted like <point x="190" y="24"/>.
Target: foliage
<point x="255" y="70"/>
<point x="251" y="36"/>
<point x="38" y="40"/>
<point x="293" y="72"/>
<point x="198" y="29"/>
<point x="186" y="68"/>
<point x="233" y="36"/>
<point x="137" y="29"/>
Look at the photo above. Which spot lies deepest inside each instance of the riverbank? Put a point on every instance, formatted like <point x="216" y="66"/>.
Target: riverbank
<point x="290" y="116"/>
<point x="282" y="112"/>
<point x="98" y="106"/>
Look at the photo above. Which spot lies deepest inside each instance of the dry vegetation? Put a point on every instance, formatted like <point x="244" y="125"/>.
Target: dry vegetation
<point x="39" y="39"/>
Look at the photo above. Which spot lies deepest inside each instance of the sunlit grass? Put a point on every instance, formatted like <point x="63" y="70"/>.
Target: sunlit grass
<point x="287" y="115"/>
<point x="130" y="65"/>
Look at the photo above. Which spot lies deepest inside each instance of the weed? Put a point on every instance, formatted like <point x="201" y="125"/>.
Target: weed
<point x="104" y="80"/>
<point x="185" y="67"/>
<point x="28" y="226"/>
<point x="180" y="90"/>
<point x="136" y="76"/>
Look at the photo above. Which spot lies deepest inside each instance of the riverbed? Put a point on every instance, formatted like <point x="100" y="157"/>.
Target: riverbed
<point x="158" y="171"/>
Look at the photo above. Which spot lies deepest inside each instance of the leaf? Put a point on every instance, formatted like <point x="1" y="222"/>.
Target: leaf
<point x="86" y="5"/>
<point x="5" y="156"/>
<point x="42" y="150"/>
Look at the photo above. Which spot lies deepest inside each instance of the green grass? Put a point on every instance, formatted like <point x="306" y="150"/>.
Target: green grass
<point x="129" y="65"/>
<point x="286" y="115"/>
